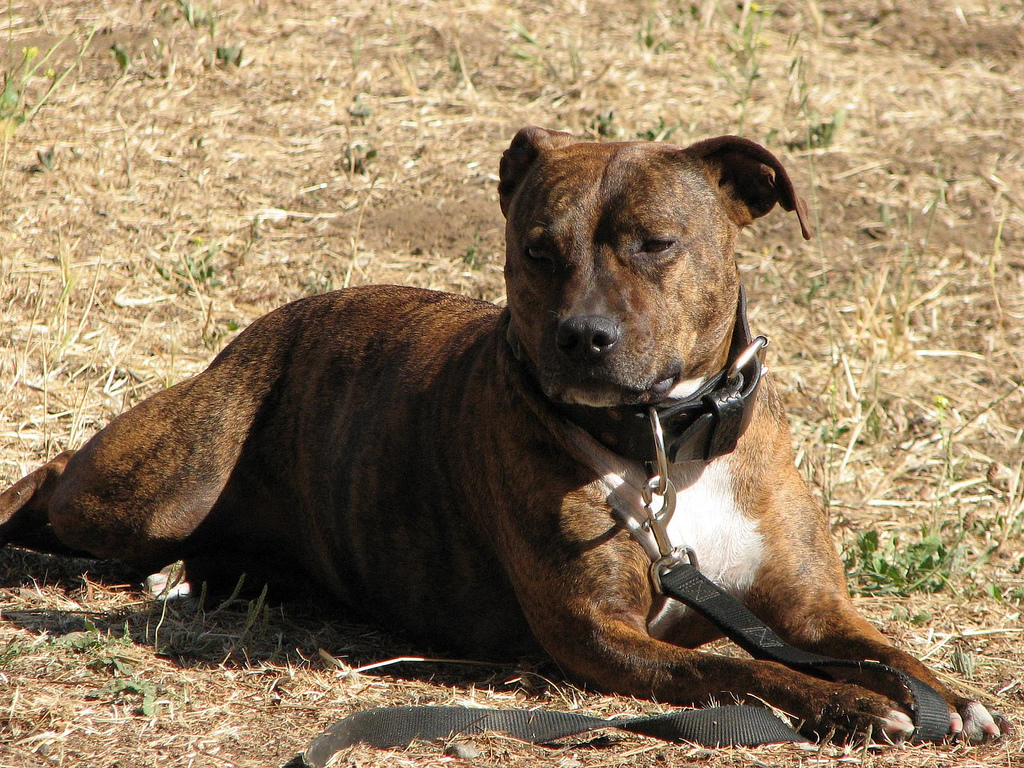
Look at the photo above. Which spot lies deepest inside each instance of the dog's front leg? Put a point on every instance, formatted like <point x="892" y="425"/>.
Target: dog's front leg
<point x="590" y="616"/>
<point x="801" y="592"/>
<point x="828" y="624"/>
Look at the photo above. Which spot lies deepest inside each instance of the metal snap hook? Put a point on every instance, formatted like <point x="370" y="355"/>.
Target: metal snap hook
<point x="659" y="484"/>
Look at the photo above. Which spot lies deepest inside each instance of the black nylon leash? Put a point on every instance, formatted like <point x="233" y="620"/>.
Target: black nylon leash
<point x="386" y="727"/>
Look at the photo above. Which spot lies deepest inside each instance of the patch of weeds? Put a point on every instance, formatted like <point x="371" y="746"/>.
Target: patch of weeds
<point x="533" y="52"/>
<point x="648" y="40"/>
<point x="900" y="613"/>
<point x="995" y="592"/>
<point x="874" y="425"/>
<point x="257" y="620"/>
<point x="186" y="642"/>
<point x="471" y="258"/>
<point x="358" y="110"/>
<point x="199" y="266"/>
<point x="203" y="17"/>
<point x="817" y="288"/>
<point x="196" y="17"/>
<point x="897" y="567"/>
<point x="196" y="267"/>
<point x="832" y="432"/>
<point x="454" y="62"/>
<point x="820" y="133"/>
<point x="746" y="48"/>
<point x="91" y="639"/>
<point x="688" y="12"/>
<point x="120" y="56"/>
<point x="356" y="157"/>
<point x="602" y="124"/>
<point x="45" y="158"/>
<point x="103" y="658"/>
<point x="319" y="282"/>
<point x="12" y="651"/>
<point x="230" y="54"/>
<point x="16" y="85"/>
<point x="1015" y="595"/>
<point x="120" y="688"/>
<point x="220" y="330"/>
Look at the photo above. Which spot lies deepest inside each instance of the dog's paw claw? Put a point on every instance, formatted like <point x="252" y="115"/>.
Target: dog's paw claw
<point x="853" y="713"/>
<point x="897" y="726"/>
<point x="977" y="724"/>
<point x="956" y="723"/>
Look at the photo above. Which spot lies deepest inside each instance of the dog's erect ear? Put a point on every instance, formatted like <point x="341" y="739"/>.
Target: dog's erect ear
<point x="751" y="177"/>
<point x="521" y="154"/>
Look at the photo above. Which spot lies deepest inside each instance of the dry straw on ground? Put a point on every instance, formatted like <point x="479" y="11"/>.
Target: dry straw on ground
<point x="197" y="163"/>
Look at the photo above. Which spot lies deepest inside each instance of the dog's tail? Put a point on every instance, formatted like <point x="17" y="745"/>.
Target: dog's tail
<point x="24" y="507"/>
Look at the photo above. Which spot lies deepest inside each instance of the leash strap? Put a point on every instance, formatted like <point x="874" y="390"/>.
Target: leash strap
<point x="386" y="727"/>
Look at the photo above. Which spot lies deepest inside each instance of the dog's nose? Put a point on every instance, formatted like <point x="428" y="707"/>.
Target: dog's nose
<point x="586" y="338"/>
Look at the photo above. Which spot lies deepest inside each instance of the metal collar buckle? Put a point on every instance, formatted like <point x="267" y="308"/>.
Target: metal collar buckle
<point x="656" y="523"/>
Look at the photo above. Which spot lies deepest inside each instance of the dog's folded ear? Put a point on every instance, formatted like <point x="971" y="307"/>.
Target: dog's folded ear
<point x="526" y="146"/>
<point x="751" y="179"/>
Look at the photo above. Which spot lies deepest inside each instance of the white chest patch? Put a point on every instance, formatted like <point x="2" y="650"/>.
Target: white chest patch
<point x="708" y="519"/>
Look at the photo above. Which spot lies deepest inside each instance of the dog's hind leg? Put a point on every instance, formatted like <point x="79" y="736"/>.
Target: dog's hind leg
<point x="161" y="481"/>
<point x="142" y="489"/>
<point x="24" y="508"/>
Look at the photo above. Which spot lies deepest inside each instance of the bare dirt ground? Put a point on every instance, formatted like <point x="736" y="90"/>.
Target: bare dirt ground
<point x="174" y="169"/>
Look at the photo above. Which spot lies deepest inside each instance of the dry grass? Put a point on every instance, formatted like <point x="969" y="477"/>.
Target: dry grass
<point x="165" y="195"/>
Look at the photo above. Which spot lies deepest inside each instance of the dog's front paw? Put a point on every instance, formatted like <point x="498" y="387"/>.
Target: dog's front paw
<point x="853" y="712"/>
<point x="974" y="723"/>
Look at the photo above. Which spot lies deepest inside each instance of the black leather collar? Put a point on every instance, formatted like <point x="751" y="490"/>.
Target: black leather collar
<point x="705" y="425"/>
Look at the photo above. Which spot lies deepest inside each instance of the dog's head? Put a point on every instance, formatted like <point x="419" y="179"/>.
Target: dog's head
<point x="620" y="268"/>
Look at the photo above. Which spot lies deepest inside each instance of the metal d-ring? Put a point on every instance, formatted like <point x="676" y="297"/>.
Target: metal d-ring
<point x="743" y="358"/>
<point x="661" y="457"/>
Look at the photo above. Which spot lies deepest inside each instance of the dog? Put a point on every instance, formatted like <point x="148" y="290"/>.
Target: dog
<point x="475" y="476"/>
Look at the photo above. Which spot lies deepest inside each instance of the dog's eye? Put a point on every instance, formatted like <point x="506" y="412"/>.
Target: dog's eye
<point x="538" y="254"/>
<point x="656" y="246"/>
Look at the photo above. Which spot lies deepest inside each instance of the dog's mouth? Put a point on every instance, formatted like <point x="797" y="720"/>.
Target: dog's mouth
<point x="601" y="392"/>
<point x="660" y="391"/>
